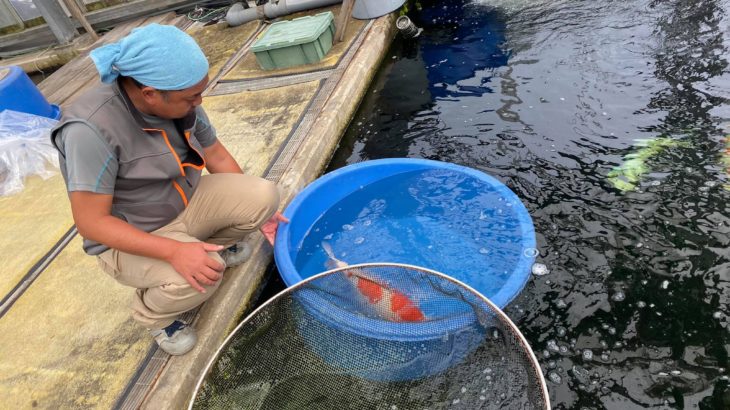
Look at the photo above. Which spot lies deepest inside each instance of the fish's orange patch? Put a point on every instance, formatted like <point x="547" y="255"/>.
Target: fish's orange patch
<point x="405" y="309"/>
<point x="370" y="289"/>
<point x="411" y="314"/>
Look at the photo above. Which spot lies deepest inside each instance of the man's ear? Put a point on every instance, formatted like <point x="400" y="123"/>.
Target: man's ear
<point x="150" y="95"/>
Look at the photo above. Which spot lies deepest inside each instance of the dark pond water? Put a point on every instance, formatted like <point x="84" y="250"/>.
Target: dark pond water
<point x="609" y="121"/>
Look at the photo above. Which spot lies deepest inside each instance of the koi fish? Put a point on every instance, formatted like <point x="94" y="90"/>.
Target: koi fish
<point x="387" y="302"/>
<point x="627" y="176"/>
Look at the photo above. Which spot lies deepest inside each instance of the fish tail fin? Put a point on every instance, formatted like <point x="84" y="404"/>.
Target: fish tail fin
<point x="328" y="250"/>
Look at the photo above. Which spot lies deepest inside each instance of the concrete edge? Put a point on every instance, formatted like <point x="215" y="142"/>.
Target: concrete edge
<point x="176" y="383"/>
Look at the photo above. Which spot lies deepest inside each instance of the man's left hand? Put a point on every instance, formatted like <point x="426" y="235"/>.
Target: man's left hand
<point x="269" y="227"/>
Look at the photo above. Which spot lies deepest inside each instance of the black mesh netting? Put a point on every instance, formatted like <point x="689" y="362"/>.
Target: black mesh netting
<point x="374" y="337"/>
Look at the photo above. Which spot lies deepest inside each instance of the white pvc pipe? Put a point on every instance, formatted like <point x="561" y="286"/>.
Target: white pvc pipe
<point x="238" y="15"/>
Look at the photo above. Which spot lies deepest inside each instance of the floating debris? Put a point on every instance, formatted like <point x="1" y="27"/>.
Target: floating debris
<point x="618" y="296"/>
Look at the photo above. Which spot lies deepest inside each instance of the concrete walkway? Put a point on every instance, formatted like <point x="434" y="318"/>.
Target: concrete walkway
<point x="66" y="339"/>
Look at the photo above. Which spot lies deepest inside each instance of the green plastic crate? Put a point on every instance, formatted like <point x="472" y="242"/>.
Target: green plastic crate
<point x="304" y="40"/>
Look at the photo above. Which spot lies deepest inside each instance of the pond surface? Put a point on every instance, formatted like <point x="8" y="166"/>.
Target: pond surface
<point x="609" y="120"/>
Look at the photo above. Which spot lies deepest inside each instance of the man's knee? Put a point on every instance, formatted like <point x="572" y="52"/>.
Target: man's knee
<point x="177" y="296"/>
<point x="270" y="199"/>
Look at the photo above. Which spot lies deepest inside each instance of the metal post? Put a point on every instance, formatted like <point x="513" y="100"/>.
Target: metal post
<point x="57" y="20"/>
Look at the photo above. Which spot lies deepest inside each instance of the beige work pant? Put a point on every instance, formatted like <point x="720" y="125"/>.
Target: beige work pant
<point x="224" y="208"/>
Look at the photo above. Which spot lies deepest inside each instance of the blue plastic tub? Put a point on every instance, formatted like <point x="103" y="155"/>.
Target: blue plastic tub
<point x="331" y="208"/>
<point x="19" y="93"/>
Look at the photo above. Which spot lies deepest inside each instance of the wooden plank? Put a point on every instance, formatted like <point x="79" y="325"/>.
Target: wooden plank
<point x="8" y="16"/>
<point x="342" y="19"/>
<point x="61" y="26"/>
<point x="100" y="19"/>
<point x="78" y="14"/>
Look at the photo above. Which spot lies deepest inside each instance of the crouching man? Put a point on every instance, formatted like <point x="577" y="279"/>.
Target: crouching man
<point x="132" y="151"/>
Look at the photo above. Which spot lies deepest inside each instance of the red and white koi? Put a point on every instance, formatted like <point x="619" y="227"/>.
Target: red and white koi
<point x="389" y="303"/>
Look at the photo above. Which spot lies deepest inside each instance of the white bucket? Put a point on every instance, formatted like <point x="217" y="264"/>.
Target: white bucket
<point x="370" y="9"/>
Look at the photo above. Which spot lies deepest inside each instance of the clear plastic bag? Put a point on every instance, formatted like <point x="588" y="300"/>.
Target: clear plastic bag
<point x="25" y="149"/>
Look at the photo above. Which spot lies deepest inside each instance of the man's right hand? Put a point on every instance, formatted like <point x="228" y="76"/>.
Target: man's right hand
<point x="191" y="261"/>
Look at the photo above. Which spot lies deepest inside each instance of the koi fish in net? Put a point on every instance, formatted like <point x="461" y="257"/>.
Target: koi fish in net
<point x="386" y="301"/>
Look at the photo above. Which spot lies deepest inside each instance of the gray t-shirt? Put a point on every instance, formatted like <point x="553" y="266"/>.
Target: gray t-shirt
<point x="91" y="165"/>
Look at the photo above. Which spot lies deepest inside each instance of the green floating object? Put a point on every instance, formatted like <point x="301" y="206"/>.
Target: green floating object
<point x="304" y="40"/>
<point x="626" y="176"/>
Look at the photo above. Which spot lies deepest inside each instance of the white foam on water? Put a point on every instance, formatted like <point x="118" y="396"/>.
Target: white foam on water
<point x="665" y="284"/>
<point x="539" y="269"/>
<point x="359" y="240"/>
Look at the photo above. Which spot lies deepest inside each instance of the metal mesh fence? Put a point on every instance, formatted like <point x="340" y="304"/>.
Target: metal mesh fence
<point x="374" y="336"/>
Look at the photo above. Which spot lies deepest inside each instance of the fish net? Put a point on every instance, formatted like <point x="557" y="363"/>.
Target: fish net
<point x="330" y="343"/>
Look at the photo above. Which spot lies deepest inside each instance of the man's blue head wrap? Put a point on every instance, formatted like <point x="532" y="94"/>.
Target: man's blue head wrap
<point x="162" y="57"/>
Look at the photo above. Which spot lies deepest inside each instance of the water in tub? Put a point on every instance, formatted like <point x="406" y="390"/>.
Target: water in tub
<point x="438" y="219"/>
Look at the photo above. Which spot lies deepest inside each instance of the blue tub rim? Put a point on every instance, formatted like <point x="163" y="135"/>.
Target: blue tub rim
<point x="213" y="359"/>
<point x="520" y="273"/>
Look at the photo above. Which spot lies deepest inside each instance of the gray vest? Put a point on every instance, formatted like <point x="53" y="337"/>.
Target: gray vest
<point x="153" y="186"/>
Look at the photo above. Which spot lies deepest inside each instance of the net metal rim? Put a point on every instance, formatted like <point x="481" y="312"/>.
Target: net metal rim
<point x="291" y="289"/>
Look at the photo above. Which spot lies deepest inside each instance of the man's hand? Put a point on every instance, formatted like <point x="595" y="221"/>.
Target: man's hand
<point x="192" y="262"/>
<point x="269" y="227"/>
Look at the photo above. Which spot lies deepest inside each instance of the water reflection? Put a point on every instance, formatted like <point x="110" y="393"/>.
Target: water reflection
<point x="633" y="312"/>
